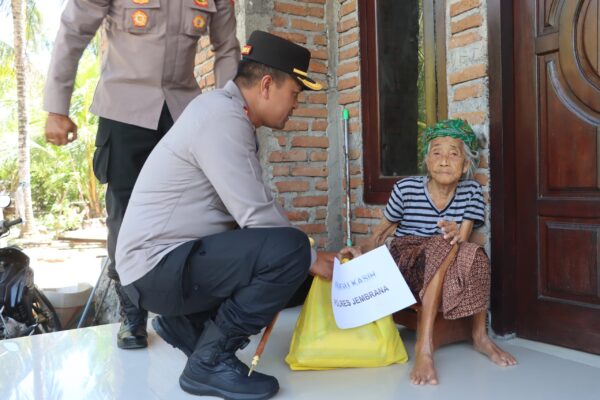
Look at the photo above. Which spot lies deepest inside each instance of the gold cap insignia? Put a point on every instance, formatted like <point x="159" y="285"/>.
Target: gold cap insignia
<point x="199" y="22"/>
<point x="139" y="19"/>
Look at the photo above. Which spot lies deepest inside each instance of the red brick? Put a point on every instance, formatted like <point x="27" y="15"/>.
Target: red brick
<point x="295" y="125"/>
<point x="468" y="74"/>
<point x="310" y="141"/>
<point x="347" y="38"/>
<point x="349" y="53"/>
<point x="322" y="185"/>
<point x="464" y="39"/>
<point x="473" y="118"/>
<point x="472" y="21"/>
<point x="318" y="156"/>
<point x="320" y="40"/>
<point x="292" y="37"/>
<point x="354" y="127"/>
<point x="355" y="170"/>
<point x="291" y="186"/>
<point x="316" y="98"/>
<point x="350" y="97"/>
<point x="321" y="213"/>
<point x="348" y="83"/>
<point x="310" y="171"/>
<point x="348" y="24"/>
<point x="354" y="110"/>
<point x="356" y="227"/>
<point x="347" y="67"/>
<point x="319" y="54"/>
<point x="315" y="112"/>
<point x="312" y="228"/>
<point x="318" y="67"/>
<point x="319" y="125"/>
<point x="298" y="215"/>
<point x="309" y="201"/>
<point x="363" y="212"/>
<point x="463" y="6"/>
<point x="315" y="1"/>
<point x="348" y="7"/>
<point x="279" y="22"/>
<point x="288" y="156"/>
<point x="318" y="12"/>
<point x="280" y="170"/>
<point x="304" y="25"/>
<point x="290" y="8"/>
<point x="354" y="183"/>
<point x="354" y="154"/>
<point x="468" y="92"/>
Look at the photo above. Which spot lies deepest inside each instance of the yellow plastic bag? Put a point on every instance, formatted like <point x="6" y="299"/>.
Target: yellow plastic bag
<point x="318" y="343"/>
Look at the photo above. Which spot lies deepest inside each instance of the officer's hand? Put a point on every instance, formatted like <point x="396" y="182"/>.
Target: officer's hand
<point x="323" y="266"/>
<point x="60" y="129"/>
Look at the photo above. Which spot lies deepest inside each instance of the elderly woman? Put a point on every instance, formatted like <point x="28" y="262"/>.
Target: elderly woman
<point x="432" y="216"/>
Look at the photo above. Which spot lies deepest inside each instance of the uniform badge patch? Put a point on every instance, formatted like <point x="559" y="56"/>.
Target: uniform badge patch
<point x="246" y="50"/>
<point x="201" y="3"/>
<point x="199" y="22"/>
<point x="139" y="19"/>
<point x="141" y="1"/>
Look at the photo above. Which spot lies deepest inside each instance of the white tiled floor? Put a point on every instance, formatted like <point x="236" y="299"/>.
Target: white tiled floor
<point x="86" y="364"/>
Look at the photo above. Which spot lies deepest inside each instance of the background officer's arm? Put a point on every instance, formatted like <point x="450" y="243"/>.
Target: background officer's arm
<point x="79" y="22"/>
<point x="224" y="41"/>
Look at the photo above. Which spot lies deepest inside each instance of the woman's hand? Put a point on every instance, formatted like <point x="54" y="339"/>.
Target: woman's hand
<point x="348" y="253"/>
<point x="450" y="231"/>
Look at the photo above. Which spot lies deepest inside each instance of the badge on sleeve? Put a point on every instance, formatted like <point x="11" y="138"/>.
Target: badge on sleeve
<point x="201" y="3"/>
<point x="199" y="22"/>
<point x="139" y="19"/>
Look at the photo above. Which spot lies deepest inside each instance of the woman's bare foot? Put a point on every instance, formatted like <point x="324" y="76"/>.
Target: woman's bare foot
<point x="483" y="344"/>
<point x="423" y="373"/>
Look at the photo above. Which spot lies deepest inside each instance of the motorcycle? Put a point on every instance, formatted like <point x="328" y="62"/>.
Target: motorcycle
<point x="24" y="309"/>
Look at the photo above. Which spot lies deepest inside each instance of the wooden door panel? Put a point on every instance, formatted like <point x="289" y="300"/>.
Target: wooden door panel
<point x="568" y="144"/>
<point x="557" y="148"/>
<point x="569" y="264"/>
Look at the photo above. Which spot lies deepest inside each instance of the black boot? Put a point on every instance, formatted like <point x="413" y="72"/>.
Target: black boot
<point x="178" y="331"/>
<point x="132" y="333"/>
<point x="214" y="370"/>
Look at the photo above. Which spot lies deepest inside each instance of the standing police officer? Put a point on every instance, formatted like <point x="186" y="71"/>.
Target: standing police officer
<point x="147" y="80"/>
<point x="203" y="242"/>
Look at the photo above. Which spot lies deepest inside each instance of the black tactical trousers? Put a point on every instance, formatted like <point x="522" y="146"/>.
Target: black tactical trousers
<point x="121" y="150"/>
<point x="239" y="278"/>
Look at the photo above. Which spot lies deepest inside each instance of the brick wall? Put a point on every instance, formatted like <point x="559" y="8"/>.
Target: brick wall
<point x="468" y="90"/>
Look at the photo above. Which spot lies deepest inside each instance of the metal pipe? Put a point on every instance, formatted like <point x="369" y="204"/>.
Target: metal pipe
<point x="346" y="117"/>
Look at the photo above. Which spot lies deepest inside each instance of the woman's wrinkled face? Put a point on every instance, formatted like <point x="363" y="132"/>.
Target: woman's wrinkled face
<point x="446" y="162"/>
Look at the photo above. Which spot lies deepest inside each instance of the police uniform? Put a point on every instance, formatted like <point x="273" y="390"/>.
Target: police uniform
<point x="204" y="236"/>
<point x="147" y="80"/>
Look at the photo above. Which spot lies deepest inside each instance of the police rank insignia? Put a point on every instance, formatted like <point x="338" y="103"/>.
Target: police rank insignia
<point x="139" y="19"/>
<point x="199" y="22"/>
<point x="246" y="50"/>
<point x="201" y="3"/>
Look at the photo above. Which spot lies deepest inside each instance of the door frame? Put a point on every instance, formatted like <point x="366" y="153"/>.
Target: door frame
<point x="502" y="166"/>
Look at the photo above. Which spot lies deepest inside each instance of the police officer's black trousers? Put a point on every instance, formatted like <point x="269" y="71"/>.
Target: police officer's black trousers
<point x="239" y="278"/>
<point x="121" y="150"/>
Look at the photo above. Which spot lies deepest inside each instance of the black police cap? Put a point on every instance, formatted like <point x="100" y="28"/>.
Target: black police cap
<point x="276" y="52"/>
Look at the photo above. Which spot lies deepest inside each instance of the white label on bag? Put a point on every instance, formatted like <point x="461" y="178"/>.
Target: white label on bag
<point x="368" y="288"/>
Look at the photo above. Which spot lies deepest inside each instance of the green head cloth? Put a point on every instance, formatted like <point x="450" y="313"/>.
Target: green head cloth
<point x="456" y="128"/>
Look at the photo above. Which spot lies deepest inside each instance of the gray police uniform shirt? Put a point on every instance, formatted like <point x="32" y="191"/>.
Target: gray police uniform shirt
<point x="204" y="177"/>
<point x="149" y="55"/>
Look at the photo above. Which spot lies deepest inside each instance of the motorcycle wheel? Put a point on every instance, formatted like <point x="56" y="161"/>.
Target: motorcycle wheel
<point x="44" y="313"/>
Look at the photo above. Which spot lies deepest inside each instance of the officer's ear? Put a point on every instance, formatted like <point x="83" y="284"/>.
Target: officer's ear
<point x="265" y="86"/>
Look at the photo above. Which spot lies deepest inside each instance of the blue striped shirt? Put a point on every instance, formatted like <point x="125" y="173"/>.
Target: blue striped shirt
<point x="410" y="206"/>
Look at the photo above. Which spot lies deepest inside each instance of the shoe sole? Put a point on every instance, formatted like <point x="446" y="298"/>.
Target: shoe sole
<point x="131" y="344"/>
<point x="201" y="389"/>
<point x="169" y="336"/>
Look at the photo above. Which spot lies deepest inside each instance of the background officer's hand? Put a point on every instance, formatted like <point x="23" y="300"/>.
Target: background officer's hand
<point x="60" y="129"/>
<point x="323" y="266"/>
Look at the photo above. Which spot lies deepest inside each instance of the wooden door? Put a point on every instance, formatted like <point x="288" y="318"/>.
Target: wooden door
<point x="557" y="140"/>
